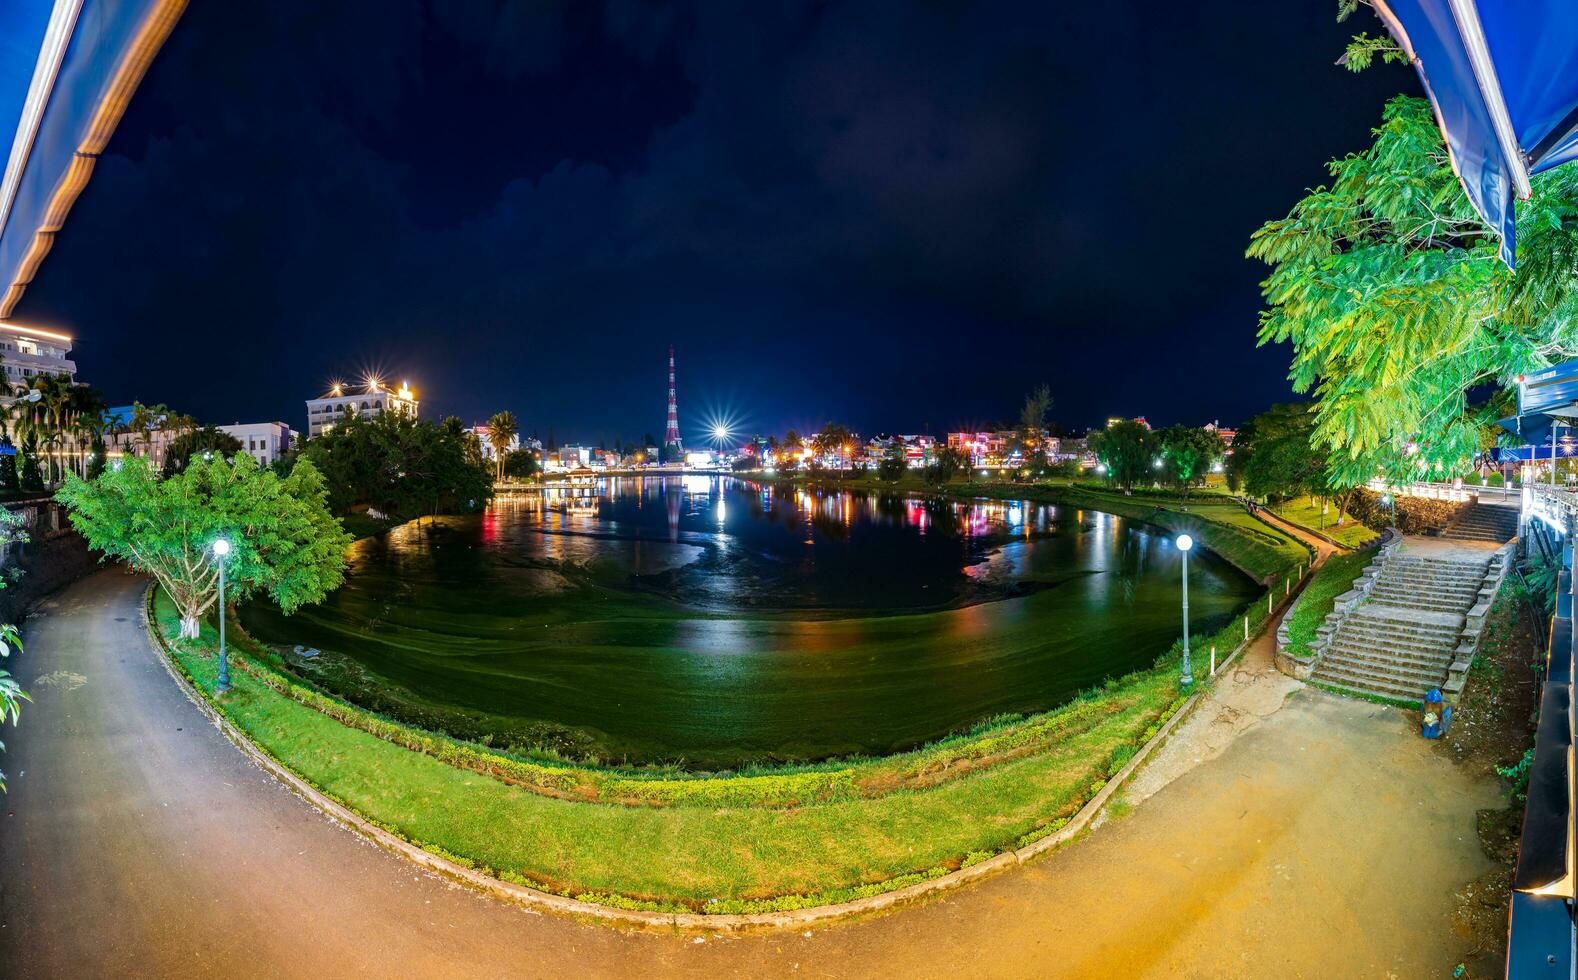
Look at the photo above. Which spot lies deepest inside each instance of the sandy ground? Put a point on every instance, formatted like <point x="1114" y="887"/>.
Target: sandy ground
<point x="1324" y="840"/>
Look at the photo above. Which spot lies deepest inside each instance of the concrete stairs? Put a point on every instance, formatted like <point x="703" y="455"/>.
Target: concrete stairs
<point x="1483" y="522"/>
<point x="1410" y="625"/>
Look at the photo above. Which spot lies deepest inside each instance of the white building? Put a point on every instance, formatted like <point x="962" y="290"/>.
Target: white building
<point x="28" y="352"/>
<point x="266" y="441"/>
<point x="482" y="433"/>
<point x="374" y="399"/>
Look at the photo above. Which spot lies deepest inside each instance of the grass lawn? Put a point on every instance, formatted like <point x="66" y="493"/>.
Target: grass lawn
<point x="361" y="526"/>
<point x="1300" y="511"/>
<point x="1330" y="581"/>
<point x="711" y="858"/>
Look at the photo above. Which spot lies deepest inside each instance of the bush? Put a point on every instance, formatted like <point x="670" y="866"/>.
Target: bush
<point x="1410" y="515"/>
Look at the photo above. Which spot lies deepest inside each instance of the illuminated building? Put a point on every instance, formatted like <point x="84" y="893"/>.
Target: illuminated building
<point x="372" y="400"/>
<point x="265" y="441"/>
<point x="28" y="352"/>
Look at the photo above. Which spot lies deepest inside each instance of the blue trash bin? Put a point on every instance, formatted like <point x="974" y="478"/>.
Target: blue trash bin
<point x="1437" y="716"/>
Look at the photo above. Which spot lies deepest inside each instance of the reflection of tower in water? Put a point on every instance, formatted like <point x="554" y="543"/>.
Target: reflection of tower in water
<point x="671" y="497"/>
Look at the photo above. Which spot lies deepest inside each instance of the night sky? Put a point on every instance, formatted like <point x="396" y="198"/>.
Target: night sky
<point x="899" y="216"/>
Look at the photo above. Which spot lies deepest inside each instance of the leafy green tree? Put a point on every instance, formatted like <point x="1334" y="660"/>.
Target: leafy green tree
<point x="32" y="478"/>
<point x="1033" y="423"/>
<point x="894" y="462"/>
<point x="207" y="441"/>
<point x="946" y="463"/>
<point x="1388" y="287"/>
<point x="1128" y="450"/>
<point x="11" y="693"/>
<point x="835" y="439"/>
<point x="502" y="428"/>
<point x="284" y="542"/>
<point x="520" y="464"/>
<point x="402" y="466"/>
<point x="1187" y="455"/>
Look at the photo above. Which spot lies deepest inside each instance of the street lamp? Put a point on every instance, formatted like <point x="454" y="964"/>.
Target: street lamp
<point x="1185" y="542"/>
<point x="221" y="549"/>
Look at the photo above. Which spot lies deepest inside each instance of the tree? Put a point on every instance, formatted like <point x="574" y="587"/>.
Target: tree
<point x="1274" y="457"/>
<point x="402" y="466"/>
<point x="1187" y="455"/>
<point x="284" y="542"/>
<point x="520" y="464"/>
<point x="894" y="461"/>
<point x="32" y="478"/>
<point x="11" y="693"/>
<point x="1388" y="286"/>
<point x="834" y="439"/>
<point x="205" y="442"/>
<point x="502" y="430"/>
<point x="946" y="463"/>
<point x="1128" y="450"/>
<point x="1033" y="422"/>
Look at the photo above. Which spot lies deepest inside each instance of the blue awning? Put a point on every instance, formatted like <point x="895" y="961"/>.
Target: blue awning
<point x="1503" y="78"/>
<point x="89" y="58"/>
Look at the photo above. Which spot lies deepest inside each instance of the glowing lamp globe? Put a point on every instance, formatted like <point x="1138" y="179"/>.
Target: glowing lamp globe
<point x="221" y="547"/>
<point x="1184" y="542"/>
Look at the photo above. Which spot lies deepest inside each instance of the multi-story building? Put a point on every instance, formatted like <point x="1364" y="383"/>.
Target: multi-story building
<point x="374" y="399"/>
<point x="265" y="441"/>
<point x="27" y="352"/>
<point x="1226" y="435"/>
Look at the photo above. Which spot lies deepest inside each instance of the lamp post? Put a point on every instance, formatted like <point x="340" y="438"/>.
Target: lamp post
<point x="221" y="549"/>
<point x="1185" y="542"/>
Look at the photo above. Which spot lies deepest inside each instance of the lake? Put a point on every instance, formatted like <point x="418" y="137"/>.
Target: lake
<point x="716" y="621"/>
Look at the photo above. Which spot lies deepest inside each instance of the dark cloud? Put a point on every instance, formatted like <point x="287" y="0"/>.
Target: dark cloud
<point x="891" y="213"/>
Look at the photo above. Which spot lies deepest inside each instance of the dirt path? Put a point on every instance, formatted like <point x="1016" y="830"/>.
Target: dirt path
<point x="1324" y="841"/>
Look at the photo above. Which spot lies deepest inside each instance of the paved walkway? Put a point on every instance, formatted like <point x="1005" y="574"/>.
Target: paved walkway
<point x="1323" y="841"/>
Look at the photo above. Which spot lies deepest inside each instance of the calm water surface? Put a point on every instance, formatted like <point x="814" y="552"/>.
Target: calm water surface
<point x="717" y="621"/>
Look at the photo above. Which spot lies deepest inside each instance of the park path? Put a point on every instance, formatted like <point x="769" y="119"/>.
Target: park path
<point x="1324" y="840"/>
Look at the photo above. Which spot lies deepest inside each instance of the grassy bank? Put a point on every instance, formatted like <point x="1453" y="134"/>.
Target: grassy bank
<point x="1330" y="581"/>
<point x="721" y="844"/>
<point x="1352" y="534"/>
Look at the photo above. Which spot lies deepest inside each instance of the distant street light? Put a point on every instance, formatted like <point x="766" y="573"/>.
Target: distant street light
<point x="1185" y="542"/>
<point x="221" y="549"/>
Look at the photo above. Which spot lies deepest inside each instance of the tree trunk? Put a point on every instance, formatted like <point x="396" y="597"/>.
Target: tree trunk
<point x="189" y="628"/>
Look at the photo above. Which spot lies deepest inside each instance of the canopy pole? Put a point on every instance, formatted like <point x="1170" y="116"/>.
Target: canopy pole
<point x="1473" y="34"/>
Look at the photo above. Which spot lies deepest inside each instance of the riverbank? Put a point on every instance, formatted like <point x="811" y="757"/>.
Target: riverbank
<point x="1216" y="520"/>
<point x="721" y="844"/>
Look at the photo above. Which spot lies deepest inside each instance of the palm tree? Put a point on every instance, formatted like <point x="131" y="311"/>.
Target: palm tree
<point x="502" y="428"/>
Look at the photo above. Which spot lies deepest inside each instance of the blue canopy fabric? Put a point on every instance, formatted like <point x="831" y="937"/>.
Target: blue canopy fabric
<point x="93" y="55"/>
<point x="1503" y="77"/>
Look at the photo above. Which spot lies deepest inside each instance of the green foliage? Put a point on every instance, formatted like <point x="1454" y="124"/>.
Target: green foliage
<point x="1187" y="455"/>
<point x="946" y="463"/>
<point x="32" y="478"/>
<point x="834" y="439"/>
<point x="1273" y="456"/>
<point x="11" y="693"/>
<point x="1128" y="450"/>
<point x="401" y="465"/>
<point x="502" y="428"/>
<point x="520" y="464"/>
<point x="284" y="542"/>
<point x="894" y="462"/>
<point x="1389" y="288"/>
<point x="207" y="441"/>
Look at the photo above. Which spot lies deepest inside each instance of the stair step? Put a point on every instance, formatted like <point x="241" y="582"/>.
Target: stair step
<point x="1367" y="685"/>
<point x="1392" y="673"/>
<point x="1372" y="646"/>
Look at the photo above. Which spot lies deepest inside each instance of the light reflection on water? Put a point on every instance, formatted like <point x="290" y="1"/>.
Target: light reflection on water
<point x="719" y="620"/>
